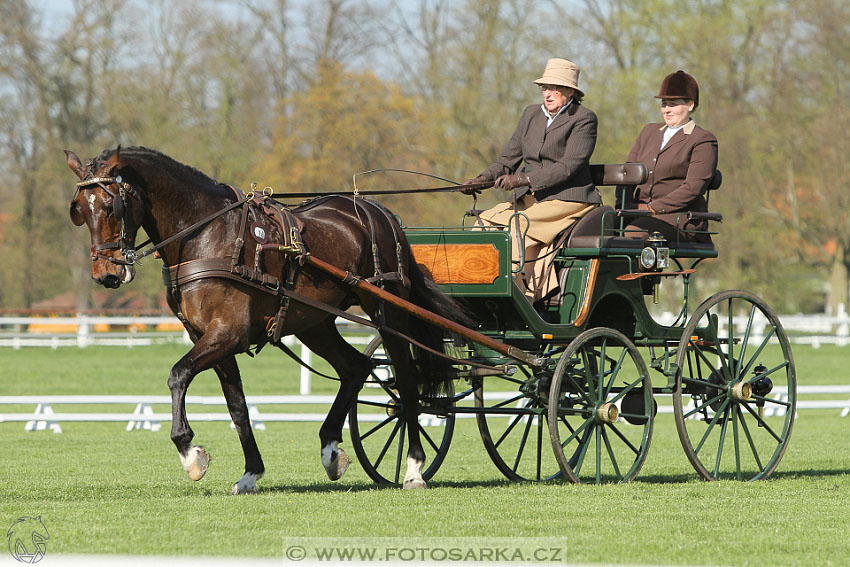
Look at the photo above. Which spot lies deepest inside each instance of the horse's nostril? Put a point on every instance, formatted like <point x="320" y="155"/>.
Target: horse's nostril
<point x="111" y="281"/>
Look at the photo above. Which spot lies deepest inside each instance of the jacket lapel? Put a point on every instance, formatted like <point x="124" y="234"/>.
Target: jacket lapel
<point x="678" y="137"/>
<point x="562" y="119"/>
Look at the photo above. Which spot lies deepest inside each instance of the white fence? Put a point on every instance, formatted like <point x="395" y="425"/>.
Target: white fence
<point x="130" y="331"/>
<point x="82" y="331"/>
<point x="43" y="418"/>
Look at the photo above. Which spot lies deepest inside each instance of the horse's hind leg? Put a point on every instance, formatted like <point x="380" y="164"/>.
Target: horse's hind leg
<point x="210" y="349"/>
<point x="231" y="386"/>
<point x="353" y="368"/>
<point x="408" y="390"/>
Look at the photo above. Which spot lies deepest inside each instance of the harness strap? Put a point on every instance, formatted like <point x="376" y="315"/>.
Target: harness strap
<point x="195" y="270"/>
<point x="192" y="228"/>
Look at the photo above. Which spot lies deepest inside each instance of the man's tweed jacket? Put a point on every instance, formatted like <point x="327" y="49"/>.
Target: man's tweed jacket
<point x="556" y="158"/>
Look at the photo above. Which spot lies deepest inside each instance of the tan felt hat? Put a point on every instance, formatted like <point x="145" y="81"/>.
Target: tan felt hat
<point x="562" y="73"/>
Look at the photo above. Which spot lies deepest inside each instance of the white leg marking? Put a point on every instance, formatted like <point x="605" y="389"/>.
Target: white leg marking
<point x="413" y="477"/>
<point x="196" y="462"/>
<point x="334" y="460"/>
<point x="329" y="452"/>
<point x="247" y="484"/>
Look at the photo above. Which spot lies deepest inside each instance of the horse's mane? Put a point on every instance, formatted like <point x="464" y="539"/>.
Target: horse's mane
<point x="159" y="160"/>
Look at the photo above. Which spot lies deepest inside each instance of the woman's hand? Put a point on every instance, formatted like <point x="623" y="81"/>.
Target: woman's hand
<point x="646" y="207"/>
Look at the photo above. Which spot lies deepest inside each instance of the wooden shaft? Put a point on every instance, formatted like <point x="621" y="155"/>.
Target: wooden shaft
<point x="428" y="316"/>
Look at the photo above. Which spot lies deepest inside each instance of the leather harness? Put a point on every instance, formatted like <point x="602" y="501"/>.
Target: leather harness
<point x="246" y="264"/>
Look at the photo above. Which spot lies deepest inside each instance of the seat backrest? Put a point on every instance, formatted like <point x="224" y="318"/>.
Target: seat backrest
<point x="715" y="182"/>
<point x="619" y="173"/>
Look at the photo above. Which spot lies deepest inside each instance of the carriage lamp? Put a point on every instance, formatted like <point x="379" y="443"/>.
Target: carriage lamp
<point x="655" y="256"/>
<point x="761" y="387"/>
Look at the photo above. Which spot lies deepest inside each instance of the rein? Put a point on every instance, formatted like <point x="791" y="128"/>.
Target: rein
<point x="132" y="255"/>
<point x="190" y="229"/>
<point x="357" y="192"/>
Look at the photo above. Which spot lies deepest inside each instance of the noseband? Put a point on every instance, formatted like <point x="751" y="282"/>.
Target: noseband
<point x="119" y="209"/>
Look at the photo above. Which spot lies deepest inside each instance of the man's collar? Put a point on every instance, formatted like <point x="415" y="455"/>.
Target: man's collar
<point x="560" y="111"/>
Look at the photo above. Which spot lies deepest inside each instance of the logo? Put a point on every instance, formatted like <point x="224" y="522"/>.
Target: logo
<point x="27" y="539"/>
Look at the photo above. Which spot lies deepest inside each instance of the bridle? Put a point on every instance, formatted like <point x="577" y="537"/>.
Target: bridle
<point x="120" y="210"/>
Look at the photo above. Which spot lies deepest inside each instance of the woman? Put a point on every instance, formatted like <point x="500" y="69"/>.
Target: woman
<point x="546" y="166"/>
<point x="681" y="158"/>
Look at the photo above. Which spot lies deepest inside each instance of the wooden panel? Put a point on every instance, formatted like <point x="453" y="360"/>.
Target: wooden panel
<point x="458" y="263"/>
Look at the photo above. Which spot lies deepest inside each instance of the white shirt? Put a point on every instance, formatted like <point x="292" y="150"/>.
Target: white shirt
<point x="669" y="133"/>
<point x="552" y="117"/>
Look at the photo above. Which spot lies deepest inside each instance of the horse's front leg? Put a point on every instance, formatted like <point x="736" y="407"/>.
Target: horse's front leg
<point x="353" y="368"/>
<point x="210" y="349"/>
<point x="231" y="386"/>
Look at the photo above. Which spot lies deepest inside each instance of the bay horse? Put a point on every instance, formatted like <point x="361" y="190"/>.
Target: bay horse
<point x="127" y="189"/>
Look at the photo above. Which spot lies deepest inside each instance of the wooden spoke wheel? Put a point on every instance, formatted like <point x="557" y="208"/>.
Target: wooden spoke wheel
<point x="378" y="432"/>
<point x="736" y="385"/>
<point x="512" y="422"/>
<point x="601" y="410"/>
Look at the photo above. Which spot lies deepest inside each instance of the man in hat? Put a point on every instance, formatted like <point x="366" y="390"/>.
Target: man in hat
<point x="546" y="166"/>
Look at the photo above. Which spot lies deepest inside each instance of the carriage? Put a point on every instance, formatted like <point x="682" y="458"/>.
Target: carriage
<point x="586" y="414"/>
<point x="565" y="389"/>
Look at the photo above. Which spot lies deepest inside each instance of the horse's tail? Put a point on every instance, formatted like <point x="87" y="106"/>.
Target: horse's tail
<point x="435" y="371"/>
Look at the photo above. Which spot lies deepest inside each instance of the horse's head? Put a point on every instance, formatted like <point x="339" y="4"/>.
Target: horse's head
<point x="113" y="211"/>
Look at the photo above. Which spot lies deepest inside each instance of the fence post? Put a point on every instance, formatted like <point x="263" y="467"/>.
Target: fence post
<point x="843" y="331"/>
<point x="82" y="330"/>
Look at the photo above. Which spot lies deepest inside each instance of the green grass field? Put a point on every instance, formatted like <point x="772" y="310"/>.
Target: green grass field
<point x="100" y="489"/>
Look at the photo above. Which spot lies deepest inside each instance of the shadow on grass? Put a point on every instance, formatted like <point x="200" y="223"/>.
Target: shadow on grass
<point x="808" y="473"/>
<point x="367" y="487"/>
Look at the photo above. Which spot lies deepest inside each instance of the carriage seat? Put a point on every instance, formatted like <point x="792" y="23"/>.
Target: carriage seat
<point x="596" y="229"/>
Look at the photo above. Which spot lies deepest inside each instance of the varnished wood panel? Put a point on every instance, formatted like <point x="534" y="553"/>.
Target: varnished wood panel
<point x="458" y="263"/>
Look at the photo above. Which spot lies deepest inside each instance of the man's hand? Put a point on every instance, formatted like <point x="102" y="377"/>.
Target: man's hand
<point x="511" y="182"/>
<point x="473" y="181"/>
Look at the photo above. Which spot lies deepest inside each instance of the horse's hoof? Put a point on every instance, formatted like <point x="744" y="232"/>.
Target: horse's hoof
<point x="247" y="484"/>
<point x="196" y="463"/>
<point x="334" y="460"/>
<point x="338" y="466"/>
<point x="414" y="483"/>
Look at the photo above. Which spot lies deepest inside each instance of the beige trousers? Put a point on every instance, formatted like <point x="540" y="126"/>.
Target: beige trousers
<point x="537" y="225"/>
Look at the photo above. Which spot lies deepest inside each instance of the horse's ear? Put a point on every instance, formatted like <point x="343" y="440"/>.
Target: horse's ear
<point x="112" y="162"/>
<point x="75" y="164"/>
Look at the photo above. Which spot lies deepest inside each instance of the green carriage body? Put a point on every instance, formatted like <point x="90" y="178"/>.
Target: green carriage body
<point x="718" y="372"/>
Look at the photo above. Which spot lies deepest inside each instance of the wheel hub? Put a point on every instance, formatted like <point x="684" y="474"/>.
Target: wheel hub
<point x="393" y="408"/>
<point x="741" y="391"/>
<point x="607" y="413"/>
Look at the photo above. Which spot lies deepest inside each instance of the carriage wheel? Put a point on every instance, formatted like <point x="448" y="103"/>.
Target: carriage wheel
<point x="601" y="425"/>
<point x="512" y="422"/>
<point x="378" y="432"/>
<point x="735" y="393"/>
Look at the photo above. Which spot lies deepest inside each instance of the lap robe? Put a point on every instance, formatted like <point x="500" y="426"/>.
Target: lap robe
<point x="543" y="220"/>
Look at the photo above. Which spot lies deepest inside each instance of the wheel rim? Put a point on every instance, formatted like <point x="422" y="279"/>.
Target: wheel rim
<point x="601" y="425"/>
<point x="735" y="394"/>
<point x="378" y="430"/>
<point x="513" y="426"/>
